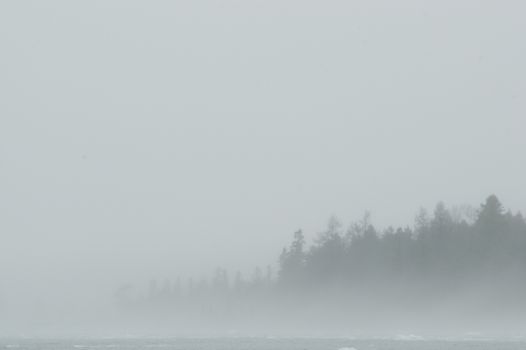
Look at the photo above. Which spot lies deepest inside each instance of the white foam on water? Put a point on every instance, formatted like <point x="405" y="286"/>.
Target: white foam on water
<point x="408" y="337"/>
<point x="158" y="345"/>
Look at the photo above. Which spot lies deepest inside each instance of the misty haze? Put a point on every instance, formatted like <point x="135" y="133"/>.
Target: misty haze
<point x="339" y="175"/>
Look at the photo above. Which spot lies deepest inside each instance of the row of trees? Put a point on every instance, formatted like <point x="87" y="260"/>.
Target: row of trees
<point x="445" y="248"/>
<point x="454" y="262"/>
<point x="442" y="249"/>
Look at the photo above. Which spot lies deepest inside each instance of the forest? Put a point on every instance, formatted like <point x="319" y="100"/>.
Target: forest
<point x="447" y="268"/>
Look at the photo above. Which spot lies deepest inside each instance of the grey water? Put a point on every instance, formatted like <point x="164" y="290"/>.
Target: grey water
<point x="267" y="343"/>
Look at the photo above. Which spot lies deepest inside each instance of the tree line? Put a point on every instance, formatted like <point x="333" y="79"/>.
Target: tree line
<point x="441" y="250"/>
<point x="443" y="256"/>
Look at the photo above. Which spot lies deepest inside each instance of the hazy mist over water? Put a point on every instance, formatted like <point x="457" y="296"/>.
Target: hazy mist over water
<point x="151" y="150"/>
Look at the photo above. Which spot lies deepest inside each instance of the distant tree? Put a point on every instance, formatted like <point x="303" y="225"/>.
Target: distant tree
<point x="333" y="229"/>
<point x="166" y="290"/>
<point x="239" y="283"/>
<point x="292" y="261"/>
<point x="220" y="280"/>
<point x="152" y="293"/>
<point x="492" y="231"/>
<point x="422" y="223"/>
<point x="325" y="261"/>
<point x="268" y="277"/>
<point x="490" y="218"/>
<point x="257" y="277"/>
<point x="362" y="250"/>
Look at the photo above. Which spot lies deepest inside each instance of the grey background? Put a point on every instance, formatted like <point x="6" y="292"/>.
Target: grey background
<point x="151" y="139"/>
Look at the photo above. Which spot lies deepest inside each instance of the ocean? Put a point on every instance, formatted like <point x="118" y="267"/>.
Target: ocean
<point x="266" y="343"/>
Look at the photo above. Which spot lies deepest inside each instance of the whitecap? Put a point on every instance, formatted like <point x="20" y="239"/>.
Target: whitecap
<point x="408" y="337"/>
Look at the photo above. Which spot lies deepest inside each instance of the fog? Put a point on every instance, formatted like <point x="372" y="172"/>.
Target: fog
<point x="162" y="140"/>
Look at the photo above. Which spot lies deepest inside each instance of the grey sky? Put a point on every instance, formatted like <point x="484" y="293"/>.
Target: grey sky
<point x="155" y="138"/>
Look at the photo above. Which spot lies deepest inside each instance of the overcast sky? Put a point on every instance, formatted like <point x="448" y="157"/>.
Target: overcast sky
<point x="157" y="138"/>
